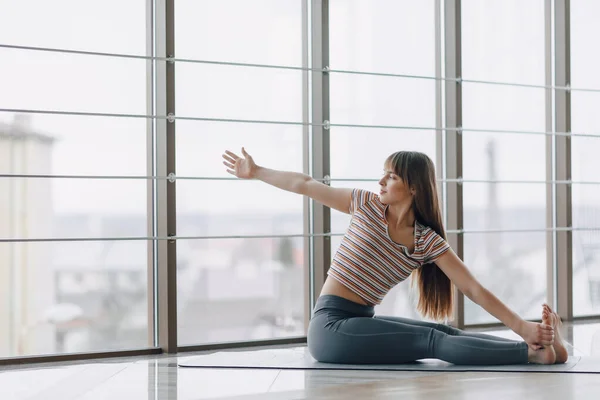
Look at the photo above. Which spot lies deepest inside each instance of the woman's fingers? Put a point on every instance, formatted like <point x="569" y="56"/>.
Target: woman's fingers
<point x="547" y="338"/>
<point x="232" y="155"/>
<point x="545" y="334"/>
<point x="228" y="165"/>
<point x="228" y="159"/>
<point x="547" y="342"/>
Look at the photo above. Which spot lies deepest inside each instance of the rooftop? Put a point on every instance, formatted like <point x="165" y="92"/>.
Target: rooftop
<point x="21" y="129"/>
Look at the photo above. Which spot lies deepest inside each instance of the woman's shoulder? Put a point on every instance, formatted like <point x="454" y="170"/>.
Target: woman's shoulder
<point x="362" y="197"/>
<point x="432" y="244"/>
<point x="427" y="232"/>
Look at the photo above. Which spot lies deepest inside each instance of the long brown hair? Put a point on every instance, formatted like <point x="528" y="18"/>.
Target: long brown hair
<point x="416" y="170"/>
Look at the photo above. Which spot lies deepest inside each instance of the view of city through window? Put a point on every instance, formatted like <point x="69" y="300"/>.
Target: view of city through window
<point x="80" y="296"/>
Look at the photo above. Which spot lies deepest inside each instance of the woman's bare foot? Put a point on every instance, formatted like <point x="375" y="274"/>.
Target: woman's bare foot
<point x="552" y="318"/>
<point x="545" y="355"/>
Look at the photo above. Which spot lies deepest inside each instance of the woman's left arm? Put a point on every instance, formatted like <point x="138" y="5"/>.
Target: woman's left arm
<point x="534" y="334"/>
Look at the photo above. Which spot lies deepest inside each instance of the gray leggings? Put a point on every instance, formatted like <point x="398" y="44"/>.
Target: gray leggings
<point x="346" y="332"/>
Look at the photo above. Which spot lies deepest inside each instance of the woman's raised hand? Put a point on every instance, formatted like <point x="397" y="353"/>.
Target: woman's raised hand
<point x="243" y="168"/>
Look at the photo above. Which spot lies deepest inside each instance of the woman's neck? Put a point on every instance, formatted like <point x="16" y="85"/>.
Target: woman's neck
<point x="400" y="215"/>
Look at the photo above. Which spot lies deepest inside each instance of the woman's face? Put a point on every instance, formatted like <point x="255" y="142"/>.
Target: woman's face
<point x="393" y="189"/>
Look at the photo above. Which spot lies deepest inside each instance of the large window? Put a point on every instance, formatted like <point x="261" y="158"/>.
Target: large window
<point x="82" y="199"/>
<point x="503" y="41"/>
<point x="72" y="296"/>
<point x="251" y="288"/>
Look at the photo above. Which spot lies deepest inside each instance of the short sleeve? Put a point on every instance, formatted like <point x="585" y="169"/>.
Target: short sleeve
<point x="359" y="198"/>
<point x="435" y="246"/>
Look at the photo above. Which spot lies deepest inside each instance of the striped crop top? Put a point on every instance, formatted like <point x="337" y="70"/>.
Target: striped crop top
<point x="368" y="262"/>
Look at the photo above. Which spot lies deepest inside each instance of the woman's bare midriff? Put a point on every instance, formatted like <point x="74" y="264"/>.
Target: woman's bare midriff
<point x="333" y="287"/>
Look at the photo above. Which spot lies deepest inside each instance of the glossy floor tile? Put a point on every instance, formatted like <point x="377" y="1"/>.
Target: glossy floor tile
<point x="159" y="377"/>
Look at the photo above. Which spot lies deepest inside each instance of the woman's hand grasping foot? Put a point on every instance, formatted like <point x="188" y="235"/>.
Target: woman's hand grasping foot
<point x="552" y="318"/>
<point x="243" y="168"/>
<point x="537" y="335"/>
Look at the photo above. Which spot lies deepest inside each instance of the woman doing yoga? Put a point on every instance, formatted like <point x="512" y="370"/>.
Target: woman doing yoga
<point x="393" y="235"/>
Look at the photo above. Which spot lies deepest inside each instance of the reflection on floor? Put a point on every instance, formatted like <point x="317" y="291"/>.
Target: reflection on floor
<point x="158" y="377"/>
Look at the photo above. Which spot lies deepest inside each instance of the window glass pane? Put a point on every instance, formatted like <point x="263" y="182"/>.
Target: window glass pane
<point x="504" y="42"/>
<point x="584" y="28"/>
<point x="65" y="207"/>
<point x="245" y="281"/>
<point x="72" y="297"/>
<point x="236" y="208"/>
<point x="497" y="206"/>
<point x="361" y="152"/>
<point x="72" y="82"/>
<point x="112" y="26"/>
<point x="230" y="206"/>
<point x="362" y="35"/>
<point x="495" y="156"/>
<point x="200" y="146"/>
<point x="394" y="36"/>
<point x="64" y="297"/>
<point x="239" y="93"/>
<point x="584" y="157"/>
<point x="376" y="100"/>
<point x="238" y="289"/>
<point x="66" y="82"/>
<point x="505" y="108"/>
<point x="513" y="267"/>
<point x="258" y="31"/>
<point x="586" y="271"/>
<point x="586" y="215"/>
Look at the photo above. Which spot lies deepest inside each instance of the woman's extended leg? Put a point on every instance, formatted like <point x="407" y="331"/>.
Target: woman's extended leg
<point x="444" y="328"/>
<point x="363" y="340"/>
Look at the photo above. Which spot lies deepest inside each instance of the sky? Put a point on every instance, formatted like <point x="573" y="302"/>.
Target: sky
<point x="502" y="41"/>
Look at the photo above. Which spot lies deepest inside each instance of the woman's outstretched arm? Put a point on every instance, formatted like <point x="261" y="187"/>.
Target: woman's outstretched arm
<point x="295" y="182"/>
<point x="534" y="334"/>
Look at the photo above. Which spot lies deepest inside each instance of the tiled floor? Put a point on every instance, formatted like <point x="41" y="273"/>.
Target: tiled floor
<point x="158" y="377"/>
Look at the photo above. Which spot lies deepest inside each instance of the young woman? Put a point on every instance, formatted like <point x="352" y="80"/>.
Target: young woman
<point x="393" y="235"/>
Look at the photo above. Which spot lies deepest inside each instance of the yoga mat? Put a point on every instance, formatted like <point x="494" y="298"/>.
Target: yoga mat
<point x="300" y="358"/>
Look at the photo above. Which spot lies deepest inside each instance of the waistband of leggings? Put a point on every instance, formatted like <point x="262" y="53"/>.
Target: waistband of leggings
<point x="332" y="302"/>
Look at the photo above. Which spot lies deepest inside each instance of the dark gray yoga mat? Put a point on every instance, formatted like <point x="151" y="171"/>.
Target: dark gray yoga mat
<point x="300" y="358"/>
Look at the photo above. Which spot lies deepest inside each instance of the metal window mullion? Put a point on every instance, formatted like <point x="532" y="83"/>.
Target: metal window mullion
<point x="306" y="163"/>
<point x="320" y="139"/>
<point x="453" y="103"/>
<point x="550" y="236"/>
<point x="439" y="137"/>
<point x="564" y="240"/>
<point x="165" y="165"/>
<point x="150" y="184"/>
